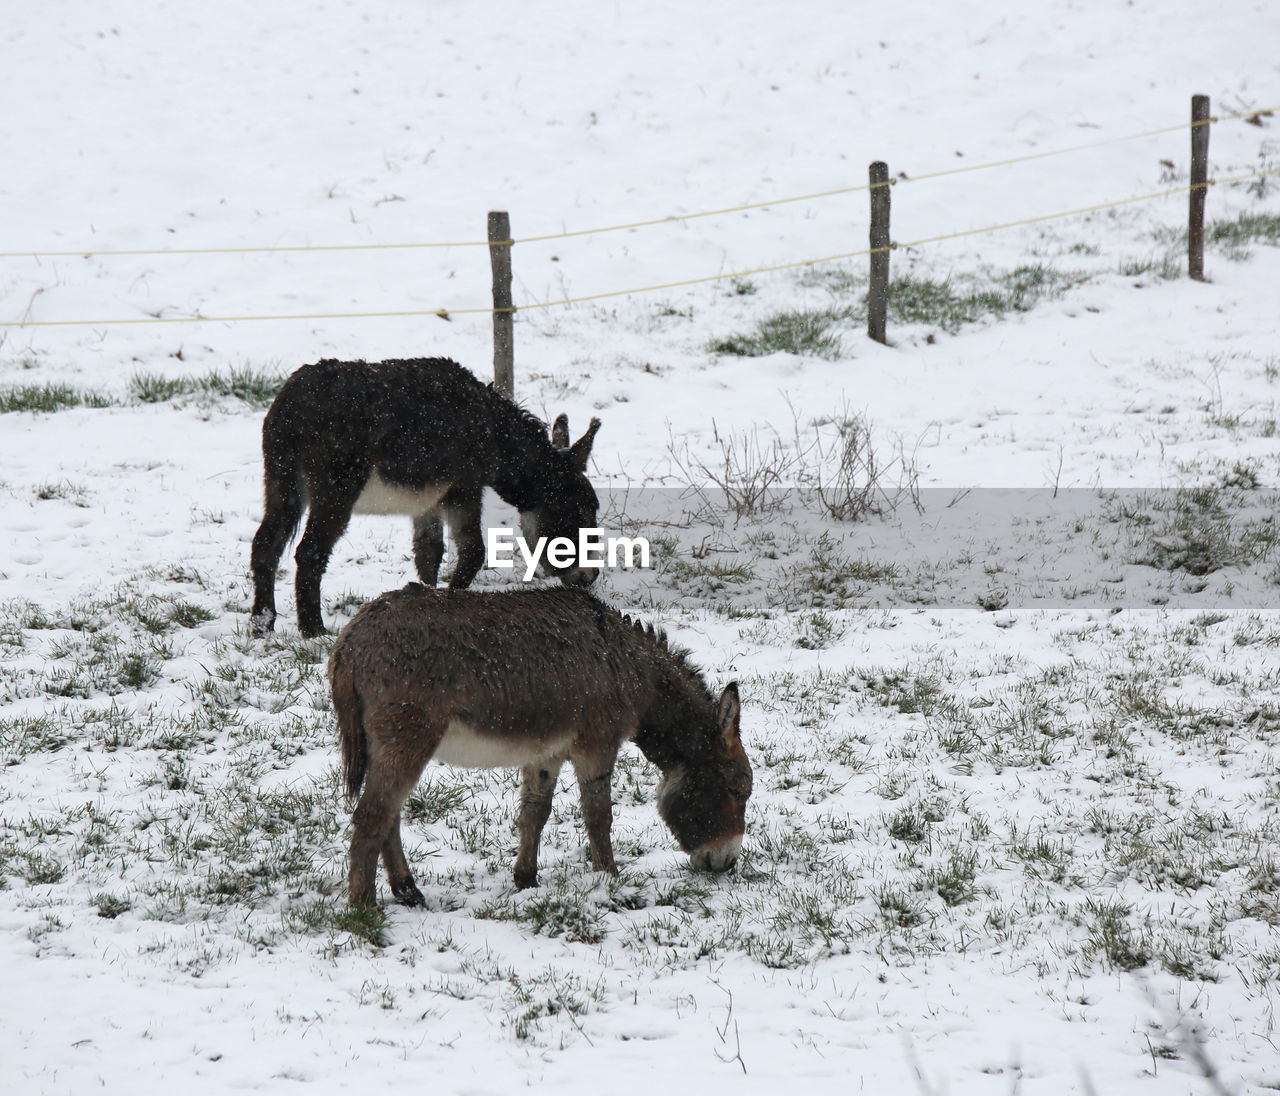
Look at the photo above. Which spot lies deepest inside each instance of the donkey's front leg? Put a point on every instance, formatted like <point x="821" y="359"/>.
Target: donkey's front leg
<point x="595" y="789"/>
<point x="428" y="547"/>
<point x="461" y="508"/>
<point x="538" y="786"/>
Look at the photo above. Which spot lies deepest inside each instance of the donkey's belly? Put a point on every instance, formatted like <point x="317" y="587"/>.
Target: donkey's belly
<point x="469" y="748"/>
<point x="381" y="497"/>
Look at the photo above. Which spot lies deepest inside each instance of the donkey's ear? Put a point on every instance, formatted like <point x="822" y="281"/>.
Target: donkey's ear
<point x="729" y="713"/>
<point x="581" y="450"/>
<point x="560" y="432"/>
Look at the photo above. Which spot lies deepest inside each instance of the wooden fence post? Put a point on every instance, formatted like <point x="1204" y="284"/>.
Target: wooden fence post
<point x="878" y="290"/>
<point x="500" y="243"/>
<point x="1199" y="185"/>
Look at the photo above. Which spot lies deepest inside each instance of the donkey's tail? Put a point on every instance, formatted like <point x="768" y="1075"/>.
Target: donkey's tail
<point x="349" y="711"/>
<point x="283" y="488"/>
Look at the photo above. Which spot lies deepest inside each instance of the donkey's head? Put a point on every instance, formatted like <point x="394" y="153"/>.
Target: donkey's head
<point x="703" y="800"/>
<point x="569" y="503"/>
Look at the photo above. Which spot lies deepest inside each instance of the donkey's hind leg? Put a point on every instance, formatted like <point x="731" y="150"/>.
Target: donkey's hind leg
<point x="536" y="790"/>
<point x="331" y="506"/>
<point x="401" y="741"/>
<point x="428" y="547"/>
<point x="461" y="508"/>
<point x="282" y="512"/>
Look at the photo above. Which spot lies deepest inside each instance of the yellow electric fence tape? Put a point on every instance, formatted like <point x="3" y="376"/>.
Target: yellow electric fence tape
<point x="445" y="313"/>
<point x="674" y="218"/>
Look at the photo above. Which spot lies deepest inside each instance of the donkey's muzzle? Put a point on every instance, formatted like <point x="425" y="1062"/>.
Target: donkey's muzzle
<point x="718" y="857"/>
<point x="579" y="576"/>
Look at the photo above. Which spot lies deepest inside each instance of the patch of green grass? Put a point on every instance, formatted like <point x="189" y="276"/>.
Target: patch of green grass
<point x="839" y="281"/>
<point x="1231" y="235"/>
<point x="152" y="388"/>
<point x="136" y="671"/>
<point x="22" y="737"/>
<point x="830" y="577"/>
<point x="1198" y="530"/>
<point x="64" y="490"/>
<point x="100" y="662"/>
<point x="898" y="908"/>
<point x="575" y="918"/>
<point x="907" y="692"/>
<point x="1193" y="953"/>
<point x="535" y="998"/>
<point x="1247" y="228"/>
<point x="37" y="868"/>
<point x="1042" y="858"/>
<point x="805" y="332"/>
<point x="703" y="578"/>
<point x="953" y="881"/>
<point x="435" y="800"/>
<point x="367" y="923"/>
<point x="255" y="387"/>
<point x="110" y="906"/>
<point x="950" y="303"/>
<point x="187" y="614"/>
<point x="818" y="630"/>
<point x="1114" y="939"/>
<point x="909" y="825"/>
<point x="48" y="397"/>
<point x="1167" y="266"/>
<point x="159" y="615"/>
<point x="953" y="302"/>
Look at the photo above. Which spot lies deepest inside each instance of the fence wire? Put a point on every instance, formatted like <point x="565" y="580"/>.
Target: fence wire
<point x="674" y="218"/>
<point x="446" y="313"/>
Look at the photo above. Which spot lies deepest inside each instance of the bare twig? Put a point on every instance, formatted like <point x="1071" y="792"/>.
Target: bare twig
<point x="751" y="473"/>
<point x="573" y="1019"/>
<point x="26" y="314"/>
<point x="833" y="461"/>
<point x="1057" y="472"/>
<point x="722" y="1032"/>
<point x="850" y="479"/>
<point x="737" y="1048"/>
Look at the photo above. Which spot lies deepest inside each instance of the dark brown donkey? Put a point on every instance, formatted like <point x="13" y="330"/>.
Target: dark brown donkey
<point x="528" y="677"/>
<point x="421" y="437"/>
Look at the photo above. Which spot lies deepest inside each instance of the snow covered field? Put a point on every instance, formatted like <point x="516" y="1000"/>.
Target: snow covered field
<point x="1016" y="824"/>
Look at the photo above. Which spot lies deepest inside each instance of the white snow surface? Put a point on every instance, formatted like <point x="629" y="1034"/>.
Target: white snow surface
<point x="307" y="123"/>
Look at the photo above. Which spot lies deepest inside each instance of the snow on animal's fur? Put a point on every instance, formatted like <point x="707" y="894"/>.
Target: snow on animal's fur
<point x="529" y="678"/>
<point x="421" y="437"/>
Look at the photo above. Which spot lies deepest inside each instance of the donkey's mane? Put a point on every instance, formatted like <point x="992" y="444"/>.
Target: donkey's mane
<point x="682" y="658"/>
<point x="525" y="422"/>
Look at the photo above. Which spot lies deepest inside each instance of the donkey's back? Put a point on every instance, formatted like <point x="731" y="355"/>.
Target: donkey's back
<point x="510" y="678"/>
<point x="378" y="413"/>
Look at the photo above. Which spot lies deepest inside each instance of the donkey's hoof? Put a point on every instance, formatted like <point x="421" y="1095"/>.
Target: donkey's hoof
<point x="407" y="894"/>
<point x="526" y="882"/>
<point x="262" y="623"/>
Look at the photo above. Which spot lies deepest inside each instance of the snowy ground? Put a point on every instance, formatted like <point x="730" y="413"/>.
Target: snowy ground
<point x="1016" y="821"/>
